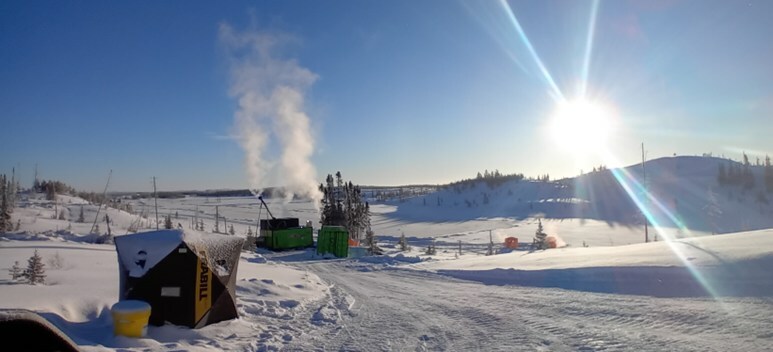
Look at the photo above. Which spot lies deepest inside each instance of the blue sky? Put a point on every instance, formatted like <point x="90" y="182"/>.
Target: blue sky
<point x="406" y="91"/>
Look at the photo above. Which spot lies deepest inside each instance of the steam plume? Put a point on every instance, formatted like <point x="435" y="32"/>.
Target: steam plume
<point x="270" y="95"/>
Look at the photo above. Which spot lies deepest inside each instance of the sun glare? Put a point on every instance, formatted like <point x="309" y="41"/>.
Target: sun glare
<point x="581" y="126"/>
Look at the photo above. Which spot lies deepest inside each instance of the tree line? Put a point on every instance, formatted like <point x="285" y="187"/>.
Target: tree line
<point x="740" y="174"/>
<point x="491" y="179"/>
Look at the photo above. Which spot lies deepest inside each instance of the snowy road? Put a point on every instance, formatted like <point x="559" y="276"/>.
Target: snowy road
<point x="414" y="310"/>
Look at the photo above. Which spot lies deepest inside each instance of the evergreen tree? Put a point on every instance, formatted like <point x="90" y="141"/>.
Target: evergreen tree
<point x="51" y="192"/>
<point x="36" y="272"/>
<point x="231" y="230"/>
<point x="7" y="188"/>
<point x="403" y="243"/>
<point x="168" y="222"/>
<point x="431" y="250"/>
<point x="15" y="271"/>
<point x="250" y="242"/>
<point x="371" y="242"/>
<point x="747" y="175"/>
<point x="342" y="205"/>
<point x="80" y="216"/>
<point x="540" y="237"/>
<point x="5" y="208"/>
<point x="768" y="174"/>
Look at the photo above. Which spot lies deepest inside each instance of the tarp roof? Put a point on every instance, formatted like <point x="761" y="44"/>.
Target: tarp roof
<point x="142" y="251"/>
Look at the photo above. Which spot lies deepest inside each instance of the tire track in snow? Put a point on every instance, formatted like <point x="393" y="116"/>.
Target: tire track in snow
<point x="420" y="311"/>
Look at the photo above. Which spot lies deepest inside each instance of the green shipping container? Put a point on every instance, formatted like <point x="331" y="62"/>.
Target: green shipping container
<point x="298" y="237"/>
<point x="334" y="240"/>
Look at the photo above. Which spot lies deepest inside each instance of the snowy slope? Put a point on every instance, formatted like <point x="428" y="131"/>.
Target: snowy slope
<point x="680" y="190"/>
<point x="722" y="265"/>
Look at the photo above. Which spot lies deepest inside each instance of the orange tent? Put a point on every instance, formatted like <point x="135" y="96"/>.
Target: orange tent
<point x="511" y="242"/>
<point x="552" y="242"/>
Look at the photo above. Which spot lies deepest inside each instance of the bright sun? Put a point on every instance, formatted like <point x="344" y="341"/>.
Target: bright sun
<point x="581" y="126"/>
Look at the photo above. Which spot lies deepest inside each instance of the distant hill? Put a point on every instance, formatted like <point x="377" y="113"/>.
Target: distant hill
<point x="685" y="192"/>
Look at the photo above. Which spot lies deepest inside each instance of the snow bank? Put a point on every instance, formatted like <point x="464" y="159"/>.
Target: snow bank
<point x="726" y="265"/>
<point x="79" y="292"/>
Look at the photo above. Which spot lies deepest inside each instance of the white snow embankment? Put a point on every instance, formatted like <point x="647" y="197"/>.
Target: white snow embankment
<point x="82" y="284"/>
<point x="726" y="265"/>
<point x="270" y="289"/>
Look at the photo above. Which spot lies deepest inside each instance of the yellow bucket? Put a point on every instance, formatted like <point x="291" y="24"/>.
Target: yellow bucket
<point x="130" y="318"/>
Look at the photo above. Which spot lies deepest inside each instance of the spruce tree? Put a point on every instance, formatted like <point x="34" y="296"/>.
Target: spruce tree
<point x="371" y="242"/>
<point x="81" y="218"/>
<point x="51" y="191"/>
<point x="249" y="243"/>
<point x="431" y="250"/>
<point x="540" y="237"/>
<point x="15" y="271"/>
<point x="403" y="243"/>
<point x="5" y="211"/>
<point x="168" y="222"/>
<point x="36" y="272"/>
<point x="768" y="174"/>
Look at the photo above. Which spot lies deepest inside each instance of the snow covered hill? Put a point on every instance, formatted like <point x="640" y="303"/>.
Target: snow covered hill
<point x="684" y="195"/>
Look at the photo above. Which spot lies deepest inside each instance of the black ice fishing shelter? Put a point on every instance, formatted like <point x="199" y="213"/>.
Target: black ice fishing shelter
<point x="187" y="277"/>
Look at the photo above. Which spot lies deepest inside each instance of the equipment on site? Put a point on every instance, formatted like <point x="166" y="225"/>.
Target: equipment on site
<point x="283" y="233"/>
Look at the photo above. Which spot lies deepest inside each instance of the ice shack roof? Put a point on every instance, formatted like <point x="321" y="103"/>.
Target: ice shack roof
<point x="142" y="251"/>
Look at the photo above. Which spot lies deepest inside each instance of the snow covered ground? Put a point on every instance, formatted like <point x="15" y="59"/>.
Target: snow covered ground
<point x="700" y="292"/>
<point x="290" y="301"/>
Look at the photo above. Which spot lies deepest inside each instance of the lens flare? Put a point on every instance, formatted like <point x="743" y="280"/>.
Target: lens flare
<point x="581" y="126"/>
<point x="555" y="92"/>
<point x="649" y="206"/>
<point x="588" y="48"/>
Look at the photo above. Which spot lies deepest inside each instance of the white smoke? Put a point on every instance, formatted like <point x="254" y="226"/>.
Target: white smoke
<point x="270" y="93"/>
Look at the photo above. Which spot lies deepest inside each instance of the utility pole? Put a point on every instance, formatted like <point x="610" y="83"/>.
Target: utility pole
<point x="155" y="200"/>
<point x="490" y="244"/>
<point x="217" y="219"/>
<point x="104" y="195"/>
<point x="196" y="218"/>
<point x="644" y="185"/>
